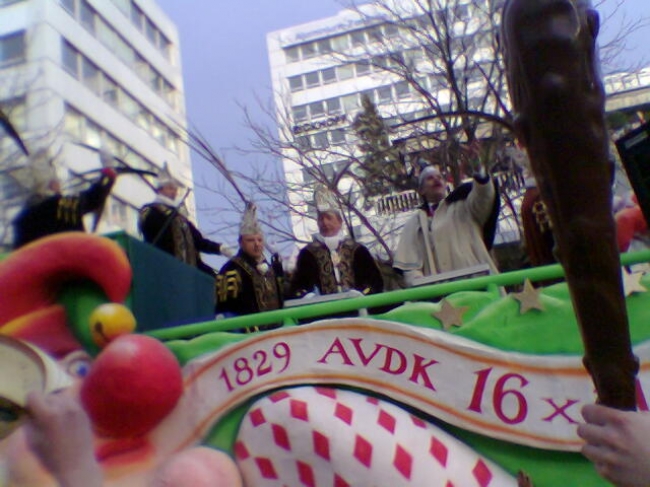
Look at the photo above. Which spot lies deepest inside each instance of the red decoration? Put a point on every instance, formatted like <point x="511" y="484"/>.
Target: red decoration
<point x="134" y="383"/>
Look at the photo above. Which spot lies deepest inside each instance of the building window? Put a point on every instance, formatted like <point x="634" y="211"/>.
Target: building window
<point x="165" y="45"/>
<point x="92" y="134"/>
<point x="461" y="12"/>
<point x="321" y="141"/>
<point x="292" y="54"/>
<point x="363" y="68"/>
<point x="368" y="93"/>
<point x="307" y="175"/>
<point x="402" y="90"/>
<point x="358" y="38"/>
<point x="16" y="110"/>
<point x="69" y="58"/>
<point x="109" y="91"/>
<point x="123" y="5"/>
<point x="333" y="106"/>
<point x="337" y="136"/>
<point x="295" y="83"/>
<point x="391" y="30"/>
<point x="137" y="17"/>
<point x="73" y="123"/>
<point x="87" y="16"/>
<point x="302" y="142"/>
<point x="69" y="5"/>
<point x="324" y="46"/>
<point x="340" y="43"/>
<point x="312" y="79"/>
<point x="345" y="72"/>
<point x="375" y="34"/>
<point x="309" y="50"/>
<point x="151" y="32"/>
<point x="316" y="109"/>
<point x="384" y="94"/>
<point x="12" y="48"/>
<point x="90" y="75"/>
<point x="328" y="75"/>
<point x="299" y="113"/>
<point x="350" y="102"/>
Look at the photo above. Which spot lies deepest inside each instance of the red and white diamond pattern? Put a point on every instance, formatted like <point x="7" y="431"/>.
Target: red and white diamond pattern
<point x="326" y="437"/>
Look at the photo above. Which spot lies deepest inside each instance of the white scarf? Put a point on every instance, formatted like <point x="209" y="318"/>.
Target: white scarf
<point x="332" y="243"/>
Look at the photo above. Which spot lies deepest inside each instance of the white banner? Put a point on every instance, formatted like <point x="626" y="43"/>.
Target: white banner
<point x="527" y="399"/>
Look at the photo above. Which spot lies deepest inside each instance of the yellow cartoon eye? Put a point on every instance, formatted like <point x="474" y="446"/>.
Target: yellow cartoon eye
<point x="109" y="321"/>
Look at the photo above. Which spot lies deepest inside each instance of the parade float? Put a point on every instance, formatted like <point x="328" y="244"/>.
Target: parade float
<point x="474" y="382"/>
<point x="459" y="384"/>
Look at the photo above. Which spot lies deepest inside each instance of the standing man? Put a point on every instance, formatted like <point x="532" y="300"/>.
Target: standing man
<point x="248" y="283"/>
<point x="333" y="263"/>
<point x="163" y="225"/>
<point x="47" y="211"/>
<point x="448" y="232"/>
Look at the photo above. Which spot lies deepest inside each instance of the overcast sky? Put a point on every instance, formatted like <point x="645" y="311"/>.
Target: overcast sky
<point x="225" y="65"/>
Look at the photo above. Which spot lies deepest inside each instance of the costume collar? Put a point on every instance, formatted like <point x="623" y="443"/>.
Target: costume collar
<point x="332" y="243"/>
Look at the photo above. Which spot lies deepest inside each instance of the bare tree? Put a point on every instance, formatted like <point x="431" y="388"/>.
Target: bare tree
<point x="438" y="85"/>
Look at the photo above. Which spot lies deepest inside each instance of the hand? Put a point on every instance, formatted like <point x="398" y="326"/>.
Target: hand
<point x="226" y="251"/>
<point x="617" y="443"/>
<point x="59" y="433"/>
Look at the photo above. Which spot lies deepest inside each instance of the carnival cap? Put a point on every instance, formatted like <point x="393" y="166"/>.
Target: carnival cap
<point x="325" y="201"/>
<point x="425" y="173"/>
<point x="249" y="224"/>
<point x="165" y="177"/>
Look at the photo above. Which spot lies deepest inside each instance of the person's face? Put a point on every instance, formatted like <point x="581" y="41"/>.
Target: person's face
<point x="433" y="187"/>
<point x="169" y="190"/>
<point x="329" y="223"/>
<point x="252" y="245"/>
<point x="54" y="186"/>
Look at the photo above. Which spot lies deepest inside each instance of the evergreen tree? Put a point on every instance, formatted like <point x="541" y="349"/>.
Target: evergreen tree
<point x="380" y="164"/>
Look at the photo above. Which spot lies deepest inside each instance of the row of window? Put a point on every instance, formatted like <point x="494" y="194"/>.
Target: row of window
<point x="12" y="48"/>
<point x="340" y="43"/>
<point x="377" y="33"/>
<point x="81" y="129"/>
<point x="348" y="103"/>
<point x="108" y="90"/>
<point x="108" y="36"/>
<point x="145" y="25"/>
<point x="321" y="140"/>
<point x="344" y="72"/>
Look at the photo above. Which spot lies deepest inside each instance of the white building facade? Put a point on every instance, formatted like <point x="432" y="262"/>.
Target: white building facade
<point x="104" y="74"/>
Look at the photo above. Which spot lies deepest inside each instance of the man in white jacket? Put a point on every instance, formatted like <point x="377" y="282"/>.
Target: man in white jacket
<point x="448" y="232"/>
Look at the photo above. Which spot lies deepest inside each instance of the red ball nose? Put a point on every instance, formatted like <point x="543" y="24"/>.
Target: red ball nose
<point x="134" y="383"/>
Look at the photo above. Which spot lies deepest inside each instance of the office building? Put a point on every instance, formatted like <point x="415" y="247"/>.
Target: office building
<point x="91" y="73"/>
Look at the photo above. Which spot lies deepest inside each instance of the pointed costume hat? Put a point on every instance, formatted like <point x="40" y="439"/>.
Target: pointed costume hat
<point x="165" y="177"/>
<point x="37" y="173"/>
<point x="249" y="224"/>
<point x="325" y="201"/>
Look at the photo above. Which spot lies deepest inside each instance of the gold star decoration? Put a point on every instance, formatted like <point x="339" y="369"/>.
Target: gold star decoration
<point x="632" y="282"/>
<point x="528" y="298"/>
<point x="450" y="316"/>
